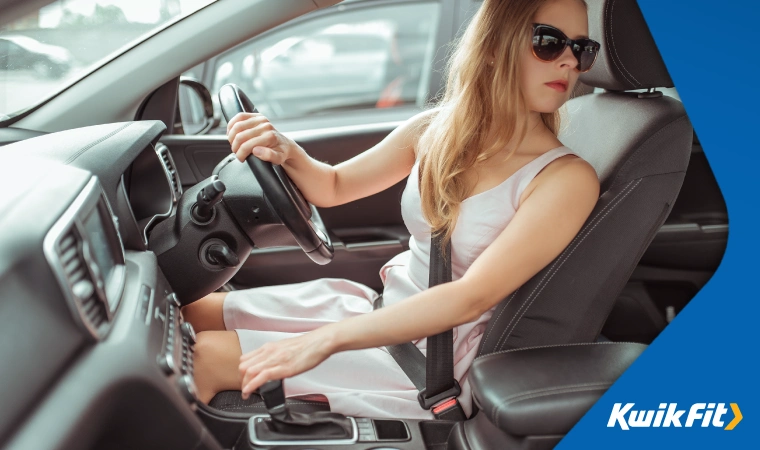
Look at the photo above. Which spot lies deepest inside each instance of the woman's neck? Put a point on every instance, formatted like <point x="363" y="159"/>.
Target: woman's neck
<point x="537" y="132"/>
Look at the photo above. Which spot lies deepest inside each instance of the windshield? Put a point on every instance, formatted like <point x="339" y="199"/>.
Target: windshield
<point x="49" y="49"/>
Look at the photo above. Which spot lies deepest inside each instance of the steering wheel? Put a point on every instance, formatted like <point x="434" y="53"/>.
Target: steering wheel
<point x="296" y="213"/>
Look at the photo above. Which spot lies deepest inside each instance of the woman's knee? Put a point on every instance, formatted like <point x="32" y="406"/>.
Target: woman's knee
<point x="216" y="360"/>
<point x="206" y="314"/>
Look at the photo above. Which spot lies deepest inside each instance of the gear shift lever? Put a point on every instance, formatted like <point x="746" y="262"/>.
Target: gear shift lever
<point x="273" y="393"/>
<point x="294" y="426"/>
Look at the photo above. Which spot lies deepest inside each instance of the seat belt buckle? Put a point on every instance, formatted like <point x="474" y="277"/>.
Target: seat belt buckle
<point x="449" y="410"/>
<point x="451" y="393"/>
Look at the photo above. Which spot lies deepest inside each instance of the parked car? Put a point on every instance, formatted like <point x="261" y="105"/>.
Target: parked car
<point x="25" y="53"/>
<point x="98" y="250"/>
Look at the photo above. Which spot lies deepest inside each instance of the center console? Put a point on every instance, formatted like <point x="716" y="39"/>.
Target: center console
<point x="176" y="357"/>
<point x="279" y="427"/>
<point x="525" y="399"/>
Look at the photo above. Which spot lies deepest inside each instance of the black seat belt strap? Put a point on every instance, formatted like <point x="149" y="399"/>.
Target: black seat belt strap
<point x="441" y="388"/>
<point x="408" y="357"/>
<point x="433" y="376"/>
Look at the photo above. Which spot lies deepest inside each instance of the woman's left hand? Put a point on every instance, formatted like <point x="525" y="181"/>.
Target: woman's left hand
<point x="283" y="359"/>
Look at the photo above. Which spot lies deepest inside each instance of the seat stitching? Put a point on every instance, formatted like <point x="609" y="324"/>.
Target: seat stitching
<point x="566" y="390"/>
<point x="529" y="295"/>
<point x="552" y="346"/>
<point x="509" y="300"/>
<point x="610" y="7"/>
<point x="571" y="253"/>
<point x="563" y="390"/>
<point x="600" y="386"/>
<point x="560" y="260"/>
<point x="588" y="224"/>
<point x="641" y="147"/>
<point x="546" y="390"/>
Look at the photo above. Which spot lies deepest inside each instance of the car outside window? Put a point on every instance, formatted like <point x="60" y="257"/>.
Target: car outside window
<point x="63" y="41"/>
<point x="350" y="59"/>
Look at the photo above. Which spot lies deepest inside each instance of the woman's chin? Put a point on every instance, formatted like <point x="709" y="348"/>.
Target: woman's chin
<point x="549" y="106"/>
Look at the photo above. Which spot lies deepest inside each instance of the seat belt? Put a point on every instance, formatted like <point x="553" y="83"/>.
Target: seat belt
<point x="433" y="376"/>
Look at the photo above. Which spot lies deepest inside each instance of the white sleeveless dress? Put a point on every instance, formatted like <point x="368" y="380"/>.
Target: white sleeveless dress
<point x="368" y="382"/>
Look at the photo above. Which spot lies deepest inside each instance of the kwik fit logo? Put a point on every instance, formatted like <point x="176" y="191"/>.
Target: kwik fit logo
<point x="668" y="415"/>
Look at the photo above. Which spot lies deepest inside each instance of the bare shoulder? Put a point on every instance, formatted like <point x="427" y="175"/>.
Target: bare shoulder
<point x="568" y="175"/>
<point x="416" y="125"/>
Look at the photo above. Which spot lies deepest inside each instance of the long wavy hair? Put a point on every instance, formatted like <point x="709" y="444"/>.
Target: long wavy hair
<point x="477" y="95"/>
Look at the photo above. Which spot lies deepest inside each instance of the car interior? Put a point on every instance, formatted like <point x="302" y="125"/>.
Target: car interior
<point x="121" y="208"/>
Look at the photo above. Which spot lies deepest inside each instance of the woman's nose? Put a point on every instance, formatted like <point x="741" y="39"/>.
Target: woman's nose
<point x="567" y="59"/>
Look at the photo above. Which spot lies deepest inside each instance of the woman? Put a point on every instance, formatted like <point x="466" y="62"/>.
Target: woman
<point x="487" y="157"/>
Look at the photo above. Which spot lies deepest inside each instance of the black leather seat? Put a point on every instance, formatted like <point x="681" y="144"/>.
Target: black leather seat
<point x="639" y="145"/>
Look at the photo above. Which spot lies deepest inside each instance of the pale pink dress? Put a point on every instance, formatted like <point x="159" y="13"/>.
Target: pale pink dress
<point x="368" y="382"/>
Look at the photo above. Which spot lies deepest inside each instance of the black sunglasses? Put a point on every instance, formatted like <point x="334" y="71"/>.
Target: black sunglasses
<point x="549" y="43"/>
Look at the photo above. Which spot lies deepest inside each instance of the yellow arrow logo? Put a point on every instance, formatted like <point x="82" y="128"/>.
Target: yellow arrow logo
<point x="737" y="417"/>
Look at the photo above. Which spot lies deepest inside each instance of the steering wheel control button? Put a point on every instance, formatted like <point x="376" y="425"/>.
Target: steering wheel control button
<point x="216" y="255"/>
<point x="188" y="332"/>
<point x="187" y="388"/>
<point x="221" y="254"/>
<point x="203" y="210"/>
<point x="166" y="363"/>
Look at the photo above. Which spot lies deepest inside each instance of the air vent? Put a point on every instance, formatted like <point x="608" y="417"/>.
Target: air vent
<point x="92" y="309"/>
<point x="171" y="170"/>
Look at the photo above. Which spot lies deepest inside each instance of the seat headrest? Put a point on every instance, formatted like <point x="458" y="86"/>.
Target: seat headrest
<point x="629" y="58"/>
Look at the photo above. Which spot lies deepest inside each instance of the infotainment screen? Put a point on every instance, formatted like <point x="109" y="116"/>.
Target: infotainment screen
<point x="100" y="249"/>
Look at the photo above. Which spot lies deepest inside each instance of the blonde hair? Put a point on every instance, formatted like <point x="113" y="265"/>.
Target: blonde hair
<point x="477" y="95"/>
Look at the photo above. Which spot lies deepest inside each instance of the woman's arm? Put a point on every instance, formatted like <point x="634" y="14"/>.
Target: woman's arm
<point x="323" y="185"/>
<point x="546" y="222"/>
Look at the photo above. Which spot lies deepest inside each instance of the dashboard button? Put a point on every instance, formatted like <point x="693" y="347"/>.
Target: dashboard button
<point x="187" y="388"/>
<point x="173" y="300"/>
<point x="188" y="331"/>
<point x="166" y="363"/>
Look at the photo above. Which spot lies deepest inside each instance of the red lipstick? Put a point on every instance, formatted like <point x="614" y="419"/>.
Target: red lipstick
<point x="559" y="85"/>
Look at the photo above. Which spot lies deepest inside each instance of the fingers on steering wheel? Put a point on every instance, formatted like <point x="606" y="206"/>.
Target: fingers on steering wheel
<point x="239" y="117"/>
<point x="245" y="140"/>
<point x="264" y="149"/>
<point x="246" y="121"/>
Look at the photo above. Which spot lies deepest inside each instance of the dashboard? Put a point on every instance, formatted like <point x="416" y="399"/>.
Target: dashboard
<point x="94" y="348"/>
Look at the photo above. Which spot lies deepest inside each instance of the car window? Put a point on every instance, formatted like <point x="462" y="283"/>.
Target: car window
<point x="365" y="57"/>
<point x="62" y="41"/>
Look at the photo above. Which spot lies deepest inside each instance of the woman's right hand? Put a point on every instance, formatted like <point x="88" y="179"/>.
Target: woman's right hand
<point x="252" y="133"/>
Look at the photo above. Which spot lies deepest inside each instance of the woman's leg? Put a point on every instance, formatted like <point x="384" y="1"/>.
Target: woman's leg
<point x="206" y="314"/>
<point x="216" y="360"/>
